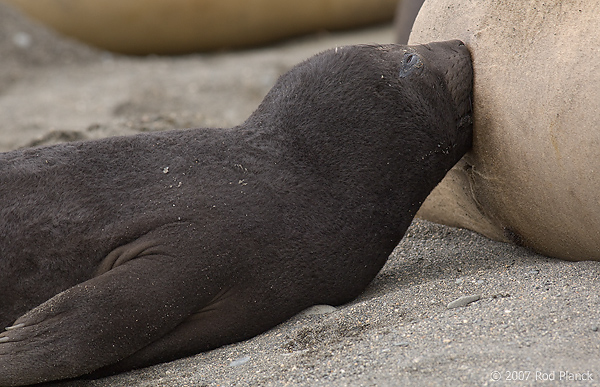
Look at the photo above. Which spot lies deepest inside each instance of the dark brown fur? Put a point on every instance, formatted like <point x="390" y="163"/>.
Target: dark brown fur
<point x="129" y="251"/>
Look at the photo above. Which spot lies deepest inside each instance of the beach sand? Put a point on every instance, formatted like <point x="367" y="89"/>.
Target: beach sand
<point x="537" y="319"/>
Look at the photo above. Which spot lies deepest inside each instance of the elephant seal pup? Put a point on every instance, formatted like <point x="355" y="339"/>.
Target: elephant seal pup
<point x="125" y="252"/>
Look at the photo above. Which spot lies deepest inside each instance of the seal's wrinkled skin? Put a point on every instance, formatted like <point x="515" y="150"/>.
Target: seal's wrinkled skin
<point x="125" y="252"/>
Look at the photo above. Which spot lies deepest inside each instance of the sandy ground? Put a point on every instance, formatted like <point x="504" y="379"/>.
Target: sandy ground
<point x="537" y="321"/>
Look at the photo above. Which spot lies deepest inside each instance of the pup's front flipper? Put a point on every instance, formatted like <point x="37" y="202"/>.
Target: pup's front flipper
<point x="234" y="315"/>
<point x="111" y="316"/>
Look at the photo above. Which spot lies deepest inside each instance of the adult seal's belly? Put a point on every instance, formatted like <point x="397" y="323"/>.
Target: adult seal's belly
<point x="129" y="251"/>
<point x="532" y="177"/>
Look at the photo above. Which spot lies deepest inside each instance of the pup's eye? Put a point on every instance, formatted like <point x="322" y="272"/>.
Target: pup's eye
<point x="410" y="59"/>
<point x="410" y="62"/>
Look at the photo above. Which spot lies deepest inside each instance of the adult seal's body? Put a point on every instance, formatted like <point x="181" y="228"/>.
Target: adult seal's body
<point x="129" y="251"/>
<point x="184" y="26"/>
<point x="532" y="177"/>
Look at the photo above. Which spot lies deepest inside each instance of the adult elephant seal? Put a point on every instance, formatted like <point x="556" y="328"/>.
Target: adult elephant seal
<point x="532" y="177"/>
<point x="183" y="26"/>
<point x="130" y="251"/>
